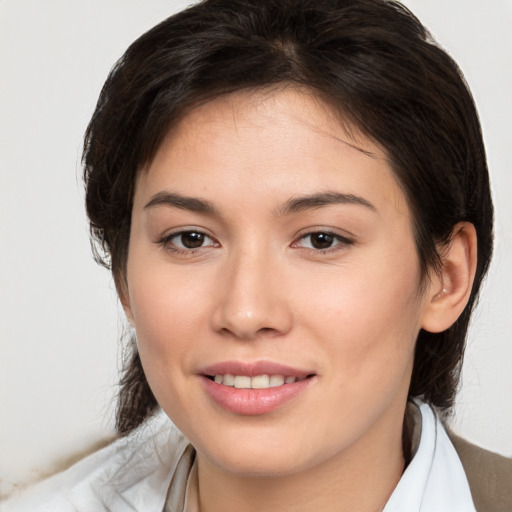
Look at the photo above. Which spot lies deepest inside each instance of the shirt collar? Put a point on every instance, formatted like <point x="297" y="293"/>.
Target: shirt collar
<point x="153" y="460"/>
<point x="435" y="479"/>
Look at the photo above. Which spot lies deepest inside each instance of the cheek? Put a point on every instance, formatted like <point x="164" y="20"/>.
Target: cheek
<point x="167" y="311"/>
<point x="166" y="320"/>
<point x="369" y="313"/>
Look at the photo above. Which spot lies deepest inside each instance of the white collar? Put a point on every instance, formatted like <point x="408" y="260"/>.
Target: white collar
<point x="435" y="480"/>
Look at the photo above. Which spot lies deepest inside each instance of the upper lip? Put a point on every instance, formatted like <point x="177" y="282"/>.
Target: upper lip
<point x="252" y="369"/>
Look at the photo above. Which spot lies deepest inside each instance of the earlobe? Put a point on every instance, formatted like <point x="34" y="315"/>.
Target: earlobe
<point x="450" y="288"/>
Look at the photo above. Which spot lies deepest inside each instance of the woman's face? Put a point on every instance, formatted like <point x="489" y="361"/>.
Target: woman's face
<point x="273" y="280"/>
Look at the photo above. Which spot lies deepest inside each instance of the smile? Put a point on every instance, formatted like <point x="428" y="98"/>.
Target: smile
<point x="255" y="388"/>
<point x="255" y="382"/>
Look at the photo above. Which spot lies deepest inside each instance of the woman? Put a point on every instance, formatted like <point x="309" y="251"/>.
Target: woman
<point x="294" y="202"/>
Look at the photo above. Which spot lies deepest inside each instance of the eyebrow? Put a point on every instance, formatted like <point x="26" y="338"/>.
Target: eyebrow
<point x="308" y="202"/>
<point x="293" y="205"/>
<point x="192" y="204"/>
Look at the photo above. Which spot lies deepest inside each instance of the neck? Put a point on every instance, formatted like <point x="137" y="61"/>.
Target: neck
<point x="361" y="478"/>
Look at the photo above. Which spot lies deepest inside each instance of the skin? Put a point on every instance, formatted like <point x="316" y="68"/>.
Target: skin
<point x="259" y="289"/>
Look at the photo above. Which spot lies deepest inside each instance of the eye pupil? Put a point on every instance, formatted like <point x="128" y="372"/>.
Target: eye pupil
<point x="192" y="240"/>
<point x="321" y="240"/>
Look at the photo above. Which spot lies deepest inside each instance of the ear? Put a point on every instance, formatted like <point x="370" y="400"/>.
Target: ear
<point x="450" y="289"/>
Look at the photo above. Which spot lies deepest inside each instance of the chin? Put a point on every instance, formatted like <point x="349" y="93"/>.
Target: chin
<point x="263" y="452"/>
<point x="255" y="463"/>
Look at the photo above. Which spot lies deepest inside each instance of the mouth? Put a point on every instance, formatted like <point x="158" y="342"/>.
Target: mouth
<point x="255" y="388"/>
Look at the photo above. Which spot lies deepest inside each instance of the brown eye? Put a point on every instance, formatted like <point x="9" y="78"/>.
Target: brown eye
<point x="321" y="240"/>
<point x="192" y="239"/>
<point x="186" y="241"/>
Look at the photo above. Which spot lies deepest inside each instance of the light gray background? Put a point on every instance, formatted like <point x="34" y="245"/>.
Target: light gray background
<point x="59" y="318"/>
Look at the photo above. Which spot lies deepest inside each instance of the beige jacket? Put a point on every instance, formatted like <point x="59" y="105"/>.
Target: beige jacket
<point x="489" y="476"/>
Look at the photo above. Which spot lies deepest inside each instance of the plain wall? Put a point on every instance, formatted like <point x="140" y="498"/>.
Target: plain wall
<point x="59" y="317"/>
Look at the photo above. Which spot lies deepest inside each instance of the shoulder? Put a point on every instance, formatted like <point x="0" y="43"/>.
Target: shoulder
<point x="144" y="461"/>
<point x="489" y="475"/>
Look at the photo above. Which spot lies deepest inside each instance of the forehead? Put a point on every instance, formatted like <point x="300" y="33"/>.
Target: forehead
<point x="270" y="143"/>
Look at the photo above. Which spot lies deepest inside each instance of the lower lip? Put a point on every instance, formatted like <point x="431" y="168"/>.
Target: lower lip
<point x="253" y="402"/>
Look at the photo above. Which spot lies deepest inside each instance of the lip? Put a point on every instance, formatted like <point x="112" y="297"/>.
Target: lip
<point x="253" y="402"/>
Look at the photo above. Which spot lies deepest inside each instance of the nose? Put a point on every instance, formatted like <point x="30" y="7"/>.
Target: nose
<point x="252" y="300"/>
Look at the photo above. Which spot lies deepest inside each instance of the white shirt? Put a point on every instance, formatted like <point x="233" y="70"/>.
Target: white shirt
<point x="153" y="470"/>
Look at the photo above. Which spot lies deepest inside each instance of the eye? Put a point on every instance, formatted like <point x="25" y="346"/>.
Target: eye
<point x="322" y="241"/>
<point x="185" y="241"/>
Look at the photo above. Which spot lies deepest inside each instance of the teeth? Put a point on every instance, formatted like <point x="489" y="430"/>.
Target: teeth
<point x="256" y="382"/>
<point x="228" y="380"/>
<point x="276" y="380"/>
<point x="260" y="382"/>
<point x="242" y="382"/>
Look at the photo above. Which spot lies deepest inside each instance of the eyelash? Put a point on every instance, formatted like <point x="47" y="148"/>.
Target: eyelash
<point x="166" y="242"/>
